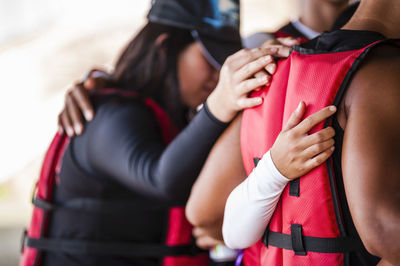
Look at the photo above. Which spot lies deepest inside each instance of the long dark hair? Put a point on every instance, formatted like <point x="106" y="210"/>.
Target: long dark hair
<point x="150" y="68"/>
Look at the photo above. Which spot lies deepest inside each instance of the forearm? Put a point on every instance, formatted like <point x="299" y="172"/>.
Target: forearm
<point x="251" y="205"/>
<point x="181" y="162"/>
<point x="125" y="144"/>
<point x="221" y="173"/>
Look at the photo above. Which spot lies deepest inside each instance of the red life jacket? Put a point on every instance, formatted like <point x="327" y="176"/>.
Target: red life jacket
<point x="306" y="227"/>
<point x="252" y="254"/>
<point x="179" y="248"/>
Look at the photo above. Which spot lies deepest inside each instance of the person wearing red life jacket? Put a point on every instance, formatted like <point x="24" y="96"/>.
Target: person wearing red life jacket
<point x="345" y="212"/>
<point x="281" y="35"/>
<point x="205" y="208"/>
<point x="115" y="194"/>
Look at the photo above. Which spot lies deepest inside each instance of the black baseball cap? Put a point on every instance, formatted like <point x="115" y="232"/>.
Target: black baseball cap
<point x="214" y="23"/>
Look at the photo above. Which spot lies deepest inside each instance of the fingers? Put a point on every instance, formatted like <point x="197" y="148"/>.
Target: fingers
<point x="206" y="242"/>
<point x="319" y="159"/>
<point x="288" y="41"/>
<point x="282" y="46"/>
<point x="245" y="56"/>
<point x="249" y="102"/>
<point x="252" y="67"/>
<point x="318" y="148"/>
<point x="65" y="123"/>
<point x="307" y="124"/>
<point x="81" y="97"/>
<point x="74" y="115"/>
<point x="318" y="137"/>
<point x="280" y="51"/>
<point x="203" y="240"/>
<point x="93" y="83"/>
<point x="296" y="117"/>
<point x="250" y="84"/>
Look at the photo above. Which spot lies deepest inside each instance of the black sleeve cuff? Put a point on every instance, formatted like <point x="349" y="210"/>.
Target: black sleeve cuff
<point x="213" y="118"/>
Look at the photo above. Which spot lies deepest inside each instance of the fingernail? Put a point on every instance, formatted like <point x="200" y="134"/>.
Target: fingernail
<point x="70" y="132"/>
<point x="267" y="59"/>
<point x="332" y="108"/>
<point x="298" y="108"/>
<point x="273" y="50"/>
<point x="271" y="68"/>
<point x="78" y="129"/>
<point x="60" y="129"/>
<point x="88" y="115"/>
<point x="263" y="79"/>
<point x="332" y="148"/>
<point x="258" y="100"/>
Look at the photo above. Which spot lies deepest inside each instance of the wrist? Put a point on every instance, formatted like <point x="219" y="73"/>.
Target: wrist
<point x="269" y="161"/>
<point x="219" y="109"/>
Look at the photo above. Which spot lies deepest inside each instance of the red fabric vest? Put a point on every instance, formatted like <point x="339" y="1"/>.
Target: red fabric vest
<point x="308" y="208"/>
<point x="179" y="231"/>
<point x="252" y="254"/>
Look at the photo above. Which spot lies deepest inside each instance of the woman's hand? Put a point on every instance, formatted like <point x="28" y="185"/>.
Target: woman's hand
<point x="204" y="240"/>
<point x="295" y="152"/>
<point x="78" y="105"/>
<point x="243" y="72"/>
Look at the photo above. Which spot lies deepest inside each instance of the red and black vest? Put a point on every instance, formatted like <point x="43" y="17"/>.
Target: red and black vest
<point x="178" y="250"/>
<point x="307" y="227"/>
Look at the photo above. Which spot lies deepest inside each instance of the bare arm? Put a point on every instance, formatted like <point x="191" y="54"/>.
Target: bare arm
<point x="371" y="154"/>
<point x="222" y="172"/>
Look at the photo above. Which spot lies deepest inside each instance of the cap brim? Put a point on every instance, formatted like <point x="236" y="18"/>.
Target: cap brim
<point x="216" y="51"/>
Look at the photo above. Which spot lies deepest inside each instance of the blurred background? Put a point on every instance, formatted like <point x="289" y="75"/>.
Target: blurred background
<point x="45" y="46"/>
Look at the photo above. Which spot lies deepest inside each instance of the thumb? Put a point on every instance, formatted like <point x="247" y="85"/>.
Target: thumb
<point x="289" y="41"/>
<point x="282" y="51"/>
<point x="295" y="117"/>
<point x="95" y="83"/>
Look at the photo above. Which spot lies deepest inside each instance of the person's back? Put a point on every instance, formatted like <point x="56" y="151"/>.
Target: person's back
<point x="316" y="210"/>
<point x="120" y="211"/>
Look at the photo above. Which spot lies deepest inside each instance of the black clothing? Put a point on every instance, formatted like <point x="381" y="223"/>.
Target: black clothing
<point x="122" y="157"/>
<point x="345" y="16"/>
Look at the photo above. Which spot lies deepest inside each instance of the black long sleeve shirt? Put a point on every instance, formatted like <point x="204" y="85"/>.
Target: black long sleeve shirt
<point x="122" y="156"/>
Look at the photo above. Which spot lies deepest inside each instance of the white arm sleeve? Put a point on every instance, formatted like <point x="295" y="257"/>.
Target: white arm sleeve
<point x="251" y="204"/>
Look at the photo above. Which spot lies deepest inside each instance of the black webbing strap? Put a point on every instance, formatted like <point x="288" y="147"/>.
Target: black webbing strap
<point x="297" y="239"/>
<point x="304" y="244"/>
<point x="82" y="247"/>
<point x="99" y="206"/>
<point x="294" y="188"/>
<point x="255" y="161"/>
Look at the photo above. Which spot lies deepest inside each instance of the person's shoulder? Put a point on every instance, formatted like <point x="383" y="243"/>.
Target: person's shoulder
<point x="122" y="106"/>
<point x="115" y="113"/>
<point x="378" y="77"/>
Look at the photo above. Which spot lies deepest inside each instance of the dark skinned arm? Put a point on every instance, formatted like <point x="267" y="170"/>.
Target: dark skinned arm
<point x="371" y="153"/>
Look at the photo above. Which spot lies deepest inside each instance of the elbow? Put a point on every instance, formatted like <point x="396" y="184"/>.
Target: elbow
<point x="191" y="215"/>
<point x="195" y="215"/>
<point x="235" y="240"/>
